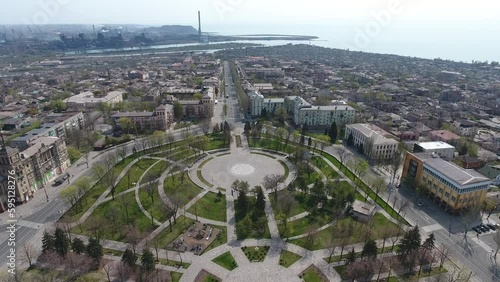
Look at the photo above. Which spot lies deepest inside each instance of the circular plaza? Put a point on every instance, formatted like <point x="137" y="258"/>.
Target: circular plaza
<point x="222" y="171"/>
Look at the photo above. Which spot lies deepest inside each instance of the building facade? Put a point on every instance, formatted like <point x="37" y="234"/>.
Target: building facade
<point x="452" y="187"/>
<point x="35" y="167"/>
<point x="161" y="119"/>
<point x="377" y="143"/>
<point x="88" y="101"/>
<point x="58" y="124"/>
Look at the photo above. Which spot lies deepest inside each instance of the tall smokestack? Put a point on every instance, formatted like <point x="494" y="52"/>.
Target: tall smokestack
<point x="199" y="25"/>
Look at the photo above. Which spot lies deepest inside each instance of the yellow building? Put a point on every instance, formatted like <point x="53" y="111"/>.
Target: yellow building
<point x="449" y="185"/>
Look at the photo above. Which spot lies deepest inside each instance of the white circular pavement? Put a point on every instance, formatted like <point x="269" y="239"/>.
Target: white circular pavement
<point x="242" y="169"/>
<point x="224" y="170"/>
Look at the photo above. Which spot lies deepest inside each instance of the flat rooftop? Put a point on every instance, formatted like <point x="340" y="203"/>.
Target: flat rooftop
<point x="452" y="171"/>
<point x="435" y="145"/>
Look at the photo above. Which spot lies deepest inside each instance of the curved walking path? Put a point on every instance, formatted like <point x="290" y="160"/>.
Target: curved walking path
<point x="271" y="262"/>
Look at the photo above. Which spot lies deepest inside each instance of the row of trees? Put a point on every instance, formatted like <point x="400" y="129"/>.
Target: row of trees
<point x="78" y="258"/>
<point x="412" y="254"/>
<point x="250" y="211"/>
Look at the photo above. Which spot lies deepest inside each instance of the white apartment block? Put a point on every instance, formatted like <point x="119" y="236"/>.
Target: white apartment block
<point x="383" y="146"/>
<point x="88" y="101"/>
<point x="302" y="111"/>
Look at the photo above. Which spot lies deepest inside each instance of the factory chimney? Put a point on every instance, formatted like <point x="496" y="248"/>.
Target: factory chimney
<point x="199" y="25"/>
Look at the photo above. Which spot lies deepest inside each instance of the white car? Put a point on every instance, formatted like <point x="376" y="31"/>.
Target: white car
<point x="216" y="102"/>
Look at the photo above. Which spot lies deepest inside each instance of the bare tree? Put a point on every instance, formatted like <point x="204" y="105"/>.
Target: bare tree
<point x="343" y="154"/>
<point x="122" y="152"/>
<point x="271" y="182"/>
<point x="108" y="269"/>
<point x="96" y="227"/>
<point x="378" y="186"/>
<point x="125" y="204"/>
<point x="443" y="252"/>
<point x="286" y="203"/>
<point x="29" y="253"/>
<point x="134" y="237"/>
<point x="205" y="126"/>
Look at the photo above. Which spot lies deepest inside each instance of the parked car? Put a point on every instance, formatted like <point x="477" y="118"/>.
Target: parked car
<point x="491" y="226"/>
<point x="478" y="231"/>
<point x="61" y="179"/>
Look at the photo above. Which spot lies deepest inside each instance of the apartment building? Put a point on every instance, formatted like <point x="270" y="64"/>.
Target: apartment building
<point x="452" y="187"/>
<point x="36" y="166"/>
<point x="88" y="101"/>
<point x="161" y="119"/>
<point x="377" y="143"/>
<point x="58" y="124"/>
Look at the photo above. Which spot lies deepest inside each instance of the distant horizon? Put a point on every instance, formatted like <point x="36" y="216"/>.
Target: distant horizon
<point x="460" y="44"/>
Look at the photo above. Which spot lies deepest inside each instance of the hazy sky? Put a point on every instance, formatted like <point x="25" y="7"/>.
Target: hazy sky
<point x="448" y="13"/>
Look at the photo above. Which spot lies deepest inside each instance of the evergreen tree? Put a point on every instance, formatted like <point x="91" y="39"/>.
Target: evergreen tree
<point x="248" y="127"/>
<point x="148" y="261"/>
<point x="304" y="129"/>
<point x="242" y="204"/>
<point x="78" y="246"/>
<point x="94" y="250"/>
<point x="260" y="204"/>
<point x="129" y="258"/>
<point x="429" y="243"/>
<point x="410" y="244"/>
<point x="326" y="131"/>
<point x="369" y="249"/>
<point x="333" y="133"/>
<point x="351" y="256"/>
<point x="61" y="242"/>
<point x="47" y="242"/>
<point x="263" y="113"/>
<point x="302" y="139"/>
<point x="309" y="142"/>
<point x="350" y="140"/>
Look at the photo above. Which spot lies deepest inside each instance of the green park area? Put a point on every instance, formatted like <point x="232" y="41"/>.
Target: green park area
<point x="211" y="206"/>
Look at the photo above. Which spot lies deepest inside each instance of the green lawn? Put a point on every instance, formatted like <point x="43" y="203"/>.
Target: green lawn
<point x="215" y="144"/>
<point x="153" y="207"/>
<point x="174" y="263"/>
<point x="267" y="143"/>
<point x="113" y="219"/>
<point x="285" y="167"/>
<point x="200" y="177"/>
<point x="135" y="173"/>
<point x="288" y="258"/>
<point x="75" y="212"/>
<point x="226" y="260"/>
<point x="155" y="171"/>
<point x="175" y="276"/>
<point x="311" y="275"/>
<point x="302" y="225"/>
<point x="297" y="208"/>
<point x="185" y="192"/>
<point x="182" y="154"/>
<point x="166" y="237"/>
<point x="322" y="239"/>
<point x="255" y="254"/>
<point x="211" y="207"/>
<point x="324" y="167"/>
